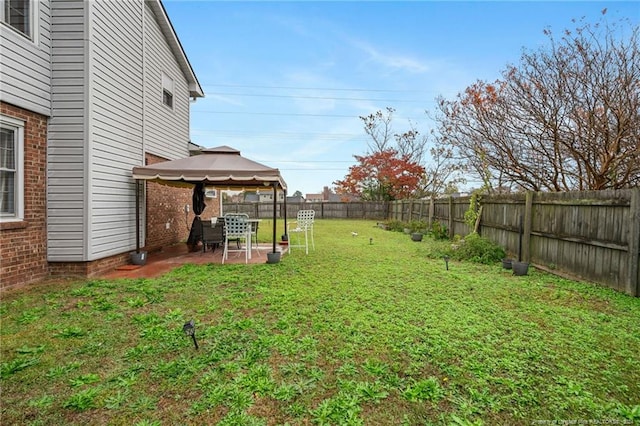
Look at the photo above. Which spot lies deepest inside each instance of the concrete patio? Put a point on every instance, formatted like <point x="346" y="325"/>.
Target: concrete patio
<point x="164" y="260"/>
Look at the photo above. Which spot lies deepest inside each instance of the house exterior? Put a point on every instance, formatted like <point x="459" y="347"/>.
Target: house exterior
<point x="88" y="91"/>
<point x="266" y="196"/>
<point x="314" y="198"/>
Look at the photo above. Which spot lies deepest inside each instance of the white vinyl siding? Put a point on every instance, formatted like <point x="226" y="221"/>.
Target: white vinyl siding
<point x="166" y="131"/>
<point x="116" y="131"/>
<point x="67" y="150"/>
<point x="26" y="63"/>
<point x="107" y="63"/>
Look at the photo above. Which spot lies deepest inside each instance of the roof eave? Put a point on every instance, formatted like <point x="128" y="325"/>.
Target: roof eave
<point x="195" y="90"/>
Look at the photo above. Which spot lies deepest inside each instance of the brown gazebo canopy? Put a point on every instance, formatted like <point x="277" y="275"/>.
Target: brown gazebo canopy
<point x="221" y="167"/>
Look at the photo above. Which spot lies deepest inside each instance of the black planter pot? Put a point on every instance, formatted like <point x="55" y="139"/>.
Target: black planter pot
<point x="416" y="236"/>
<point x="138" y="258"/>
<point x="507" y="263"/>
<point x="520" y="268"/>
<point x="273" y="257"/>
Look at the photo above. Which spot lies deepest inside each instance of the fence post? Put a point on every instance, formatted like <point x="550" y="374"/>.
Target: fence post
<point x="410" y="210"/>
<point x="432" y="209"/>
<point x="451" y="234"/>
<point x="528" y="219"/>
<point x="633" y="281"/>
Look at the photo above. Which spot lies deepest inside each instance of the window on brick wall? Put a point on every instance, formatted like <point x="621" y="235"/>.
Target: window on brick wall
<point x="19" y="15"/>
<point x="11" y="169"/>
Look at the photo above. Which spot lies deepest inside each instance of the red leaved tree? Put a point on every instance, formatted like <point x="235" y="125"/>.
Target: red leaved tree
<point x="382" y="176"/>
<point x="441" y="170"/>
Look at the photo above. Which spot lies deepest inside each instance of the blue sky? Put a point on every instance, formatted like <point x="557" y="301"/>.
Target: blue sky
<point x="285" y="82"/>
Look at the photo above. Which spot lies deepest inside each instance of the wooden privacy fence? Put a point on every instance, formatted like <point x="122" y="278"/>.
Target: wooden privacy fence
<point x="324" y="210"/>
<point x="592" y="235"/>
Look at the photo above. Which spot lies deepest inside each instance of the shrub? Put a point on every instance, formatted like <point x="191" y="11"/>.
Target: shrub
<point x="476" y="249"/>
<point x="417" y="226"/>
<point x="396" y="225"/>
<point x="438" y="231"/>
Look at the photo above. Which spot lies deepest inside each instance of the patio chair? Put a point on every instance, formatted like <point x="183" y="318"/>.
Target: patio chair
<point x="237" y="228"/>
<point x="212" y="234"/>
<point x="302" y="226"/>
<point x="254" y="234"/>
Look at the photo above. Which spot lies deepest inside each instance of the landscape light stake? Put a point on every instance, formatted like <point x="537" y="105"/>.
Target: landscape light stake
<point x="446" y="261"/>
<point x="370" y="240"/>
<point x="189" y="329"/>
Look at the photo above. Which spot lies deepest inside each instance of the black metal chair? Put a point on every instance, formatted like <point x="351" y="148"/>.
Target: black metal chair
<point x="212" y="235"/>
<point x="254" y="234"/>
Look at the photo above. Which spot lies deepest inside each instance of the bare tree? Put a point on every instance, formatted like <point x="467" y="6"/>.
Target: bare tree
<point x="566" y="117"/>
<point x="415" y="147"/>
<point x="442" y="172"/>
<point x="412" y="144"/>
<point x="378" y="127"/>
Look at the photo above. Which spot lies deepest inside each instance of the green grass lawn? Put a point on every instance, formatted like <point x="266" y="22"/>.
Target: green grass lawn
<point x="369" y="329"/>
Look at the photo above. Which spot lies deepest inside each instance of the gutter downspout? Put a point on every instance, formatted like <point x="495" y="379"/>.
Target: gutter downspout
<point x="139" y="191"/>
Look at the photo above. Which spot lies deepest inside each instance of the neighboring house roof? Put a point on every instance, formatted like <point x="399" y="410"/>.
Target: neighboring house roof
<point x="195" y="91"/>
<point x="295" y="199"/>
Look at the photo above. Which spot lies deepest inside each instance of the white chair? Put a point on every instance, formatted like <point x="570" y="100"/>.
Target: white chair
<point x="303" y="225"/>
<point x="237" y="228"/>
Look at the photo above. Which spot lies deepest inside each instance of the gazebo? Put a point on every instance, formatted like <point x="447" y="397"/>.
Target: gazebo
<point x="222" y="167"/>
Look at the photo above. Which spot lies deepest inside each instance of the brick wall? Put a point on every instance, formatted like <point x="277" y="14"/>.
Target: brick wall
<point x="23" y="256"/>
<point x="88" y="269"/>
<point x="165" y="205"/>
<point x="23" y="245"/>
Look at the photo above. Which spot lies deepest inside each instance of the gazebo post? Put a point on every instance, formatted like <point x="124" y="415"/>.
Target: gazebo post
<point x="139" y="257"/>
<point x="285" y="237"/>
<point x="275" y="202"/>
<point x="137" y="215"/>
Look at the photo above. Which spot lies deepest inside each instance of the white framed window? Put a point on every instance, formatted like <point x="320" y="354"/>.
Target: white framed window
<point x="167" y="90"/>
<point x="19" y="15"/>
<point x="11" y="169"/>
<point x="211" y="193"/>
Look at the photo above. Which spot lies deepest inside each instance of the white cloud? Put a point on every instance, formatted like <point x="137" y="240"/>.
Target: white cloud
<point x="393" y="61"/>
